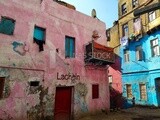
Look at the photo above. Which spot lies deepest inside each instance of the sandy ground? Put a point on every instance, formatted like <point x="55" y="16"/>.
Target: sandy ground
<point x="136" y="113"/>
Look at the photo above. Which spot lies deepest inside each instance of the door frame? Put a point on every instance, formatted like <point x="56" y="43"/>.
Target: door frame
<point x="157" y="91"/>
<point x="72" y="100"/>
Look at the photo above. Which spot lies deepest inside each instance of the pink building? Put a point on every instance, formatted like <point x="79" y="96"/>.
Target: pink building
<point x="43" y="74"/>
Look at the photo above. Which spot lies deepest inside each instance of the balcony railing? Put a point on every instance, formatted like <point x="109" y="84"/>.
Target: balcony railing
<point x="98" y="54"/>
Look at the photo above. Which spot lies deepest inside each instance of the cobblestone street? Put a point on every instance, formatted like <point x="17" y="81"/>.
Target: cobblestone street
<point x="136" y="113"/>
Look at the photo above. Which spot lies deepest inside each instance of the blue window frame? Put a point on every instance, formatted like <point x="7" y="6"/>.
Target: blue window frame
<point x="39" y="33"/>
<point x="69" y="47"/>
<point x="39" y="36"/>
<point x="7" y="26"/>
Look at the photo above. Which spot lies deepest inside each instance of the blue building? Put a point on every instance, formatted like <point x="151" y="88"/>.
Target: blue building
<point x="141" y="70"/>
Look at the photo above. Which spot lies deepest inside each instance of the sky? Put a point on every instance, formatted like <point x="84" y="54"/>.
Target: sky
<point x="106" y="10"/>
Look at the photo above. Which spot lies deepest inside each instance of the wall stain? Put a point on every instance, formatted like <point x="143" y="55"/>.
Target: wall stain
<point x="80" y="97"/>
<point x="37" y="112"/>
<point x="19" y="48"/>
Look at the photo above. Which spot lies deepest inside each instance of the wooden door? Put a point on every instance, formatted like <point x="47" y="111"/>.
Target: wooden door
<point x="63" y="99"/>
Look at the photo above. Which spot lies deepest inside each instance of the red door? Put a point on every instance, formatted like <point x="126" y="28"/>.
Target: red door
<point x="62" y="109"/>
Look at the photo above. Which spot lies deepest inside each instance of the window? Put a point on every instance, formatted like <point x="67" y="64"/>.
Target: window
<point x="110" y="78"/>
<point x="124" y="8"/>
<point x="69" y="47"/>
<point x="95" y="91"/>
<point x="39" y="36"/>
<point x="139" y="53"/>
<point x="34" y="87"/>
<point x="136" y="19"/>
<point x="2" y="79"/>
<point x="126" y="55"/>
<point x="129" y="90"/>
<point x="155" y="48"/>
<point x="34" y="83"/>
<point x="108" y="34"/>
<point x="143" y="94"/>
<point x="125" y="29"/>
<point x="134" y="3"/>
<point x="7" y="26"/>
<point x="137" y="26"/>
<point x="152" y="16"/>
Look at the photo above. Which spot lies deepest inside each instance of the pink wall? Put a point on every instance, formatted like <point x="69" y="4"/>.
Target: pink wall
<point x="115" y="71"/>
<point x="19" y="69"/>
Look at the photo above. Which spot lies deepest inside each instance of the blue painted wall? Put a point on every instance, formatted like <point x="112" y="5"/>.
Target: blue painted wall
<point x="146" y="71"/>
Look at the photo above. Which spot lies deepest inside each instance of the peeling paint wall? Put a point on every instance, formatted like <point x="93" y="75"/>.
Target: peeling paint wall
<point x="145" y="71"/>
<point x="21" y="62"/>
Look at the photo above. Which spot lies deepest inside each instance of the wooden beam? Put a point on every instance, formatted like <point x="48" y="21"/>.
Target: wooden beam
<point x="146" y="9"/>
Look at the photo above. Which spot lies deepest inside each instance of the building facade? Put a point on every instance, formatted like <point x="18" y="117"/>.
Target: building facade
<point x="114" y="71"/>
<point x="140" y="41"/>
<point x="43" y="74"/>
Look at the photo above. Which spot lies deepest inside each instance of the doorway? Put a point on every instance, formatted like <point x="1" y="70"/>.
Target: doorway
<point x="63" y="101"/>
<point x="157" y="84"/>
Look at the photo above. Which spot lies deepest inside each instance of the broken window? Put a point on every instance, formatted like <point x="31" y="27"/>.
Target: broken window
<point x="95" y="91"/>
<point x="69" y="47"/>
<point x="7" y="26"/>
<point x="2" y="80"/>
<point x="39" y="37"/>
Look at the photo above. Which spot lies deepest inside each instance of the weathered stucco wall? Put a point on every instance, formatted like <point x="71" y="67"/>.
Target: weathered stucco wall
<point x="115" y="69"/>
<point x="21" y="61"/>
<point x="145" y="71"/>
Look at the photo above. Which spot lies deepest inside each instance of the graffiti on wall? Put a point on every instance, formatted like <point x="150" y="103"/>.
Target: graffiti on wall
<point x="68" y="76"/>
<point x="80" y="98"/>
<point x="19" y="48"/>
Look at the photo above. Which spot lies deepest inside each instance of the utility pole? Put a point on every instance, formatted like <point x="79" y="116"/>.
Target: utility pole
<point x="147" y="9"/>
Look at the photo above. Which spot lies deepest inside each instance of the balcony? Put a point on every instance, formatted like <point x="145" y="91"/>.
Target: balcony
<point x="98" y="54"/>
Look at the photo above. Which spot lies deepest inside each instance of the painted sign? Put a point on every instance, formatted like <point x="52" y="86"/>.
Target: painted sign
<point x="104" y="55"/>
<point x="69" y="76"/>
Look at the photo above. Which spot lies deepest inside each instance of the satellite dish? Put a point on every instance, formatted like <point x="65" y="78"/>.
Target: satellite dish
<point x="94" y="13"/>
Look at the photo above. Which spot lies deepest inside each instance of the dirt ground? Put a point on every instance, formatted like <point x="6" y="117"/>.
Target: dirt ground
<point x="136" y="113"/>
